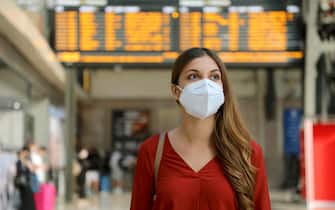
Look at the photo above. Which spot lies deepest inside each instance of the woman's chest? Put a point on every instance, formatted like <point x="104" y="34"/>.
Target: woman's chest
<point x="178" y="185"/>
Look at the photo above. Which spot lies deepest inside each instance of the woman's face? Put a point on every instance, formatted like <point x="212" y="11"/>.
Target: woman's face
<point x="200" y="68"/>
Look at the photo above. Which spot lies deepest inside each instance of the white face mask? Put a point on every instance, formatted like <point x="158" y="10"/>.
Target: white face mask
<point x="202" y="98"/>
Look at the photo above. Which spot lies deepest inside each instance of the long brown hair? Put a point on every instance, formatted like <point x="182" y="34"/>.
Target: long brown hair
<point x="232" y="139"/>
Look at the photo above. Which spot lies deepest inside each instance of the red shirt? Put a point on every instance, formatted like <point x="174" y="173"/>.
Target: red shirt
<point x="179" y="187"/>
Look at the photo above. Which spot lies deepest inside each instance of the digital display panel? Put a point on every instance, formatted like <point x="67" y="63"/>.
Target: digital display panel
<point x="157" y="34"/>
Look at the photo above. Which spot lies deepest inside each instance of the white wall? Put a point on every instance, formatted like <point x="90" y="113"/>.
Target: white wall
<point x="12" y="122"/>
<point x="130" y="84"/>
<point x="12" y="129"/>
<point x="14" y="87"/>
<point x="40" y="112"/>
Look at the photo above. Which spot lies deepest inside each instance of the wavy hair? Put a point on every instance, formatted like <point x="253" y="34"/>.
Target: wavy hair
<point x="232" y="139"/>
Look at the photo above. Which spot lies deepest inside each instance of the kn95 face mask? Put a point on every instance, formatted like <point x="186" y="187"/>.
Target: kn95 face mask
<point x="202" y="98"/>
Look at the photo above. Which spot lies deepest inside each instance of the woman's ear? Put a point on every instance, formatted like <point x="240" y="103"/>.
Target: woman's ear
<point x="175" y="91"/>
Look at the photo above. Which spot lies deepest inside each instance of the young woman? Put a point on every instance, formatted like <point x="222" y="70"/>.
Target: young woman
<point x="209" y="162"/>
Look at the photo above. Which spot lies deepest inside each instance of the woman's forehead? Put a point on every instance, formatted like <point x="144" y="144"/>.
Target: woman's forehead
<point x="202" y="64"/>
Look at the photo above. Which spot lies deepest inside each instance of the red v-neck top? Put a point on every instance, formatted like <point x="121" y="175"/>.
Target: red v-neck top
<point x="179" y="187"/>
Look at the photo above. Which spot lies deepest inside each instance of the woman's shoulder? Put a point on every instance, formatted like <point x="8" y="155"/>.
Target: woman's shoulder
<point x="255" y="146"/>
<point x="257" y="153"/>
<point x="149" y="145"/>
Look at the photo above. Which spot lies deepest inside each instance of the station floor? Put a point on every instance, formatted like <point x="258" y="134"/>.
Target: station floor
<point x="108" y="201"/>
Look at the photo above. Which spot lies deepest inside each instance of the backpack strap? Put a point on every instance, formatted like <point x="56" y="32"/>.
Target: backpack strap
<point x="159" y="154"/>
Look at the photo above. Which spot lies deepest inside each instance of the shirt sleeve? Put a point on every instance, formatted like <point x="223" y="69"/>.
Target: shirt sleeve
<point x="261" y="194"/>
<point x="143" y="185"/>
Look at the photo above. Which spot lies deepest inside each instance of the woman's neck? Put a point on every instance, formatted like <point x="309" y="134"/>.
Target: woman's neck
<point x="197" y="131"/>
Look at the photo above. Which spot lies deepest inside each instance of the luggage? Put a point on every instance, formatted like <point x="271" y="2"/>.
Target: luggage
<point x="45" y="198"/>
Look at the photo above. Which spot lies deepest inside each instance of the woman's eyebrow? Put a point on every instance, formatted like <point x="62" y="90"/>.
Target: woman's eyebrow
<point x="196" y="70"/>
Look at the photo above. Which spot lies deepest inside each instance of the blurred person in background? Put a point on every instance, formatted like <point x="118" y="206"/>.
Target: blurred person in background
<point x="92" y="174"/>
<point x="116" y="169"/>
<point x="210" y="161"/>
<point x="83" y="167"/>
<point x="24" y="170"/>
<point x="37" y="162"/>
<point x="42" y="169"/>
<point x="105" y="172"/>
<point x="127" y="162"/>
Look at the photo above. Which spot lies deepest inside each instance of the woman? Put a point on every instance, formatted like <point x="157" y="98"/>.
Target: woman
<point x="24" y="169"/>
<point x="210" y="160"/>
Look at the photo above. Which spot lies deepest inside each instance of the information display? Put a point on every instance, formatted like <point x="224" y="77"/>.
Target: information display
<point x="157" y="34"/>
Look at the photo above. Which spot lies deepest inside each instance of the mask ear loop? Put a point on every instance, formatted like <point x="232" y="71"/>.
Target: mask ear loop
<point x="181" y="89"/>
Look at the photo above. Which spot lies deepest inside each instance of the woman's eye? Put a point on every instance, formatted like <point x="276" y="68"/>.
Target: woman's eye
<point x="215" y="77"/>
<point x="192" y="77"/>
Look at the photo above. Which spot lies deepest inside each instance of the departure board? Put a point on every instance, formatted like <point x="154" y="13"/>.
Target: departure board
<point x="157" y="34"/>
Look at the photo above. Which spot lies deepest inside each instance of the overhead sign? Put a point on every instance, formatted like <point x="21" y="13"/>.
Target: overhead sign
<point x="253" y="34"/>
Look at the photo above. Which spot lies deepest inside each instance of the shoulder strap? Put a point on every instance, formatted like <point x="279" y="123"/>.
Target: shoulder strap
<point x="159" y="153"/>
